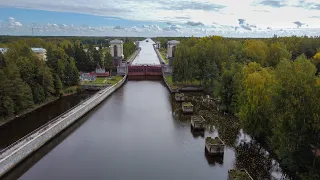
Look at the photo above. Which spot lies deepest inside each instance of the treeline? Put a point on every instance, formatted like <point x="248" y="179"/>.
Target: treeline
<point x="26" y="81"/>
<point x="272" y="85"/>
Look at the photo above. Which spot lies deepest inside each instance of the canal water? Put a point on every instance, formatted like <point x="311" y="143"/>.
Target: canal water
<point x="19" y="127"/>
<point x="136" y="134"/>
<point x="147" y="54"/>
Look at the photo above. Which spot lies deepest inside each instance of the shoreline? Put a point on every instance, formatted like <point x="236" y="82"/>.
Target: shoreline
<point x="8" y="119"/>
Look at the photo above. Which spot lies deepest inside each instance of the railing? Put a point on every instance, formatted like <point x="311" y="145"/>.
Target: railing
<point x="49" y="123"/>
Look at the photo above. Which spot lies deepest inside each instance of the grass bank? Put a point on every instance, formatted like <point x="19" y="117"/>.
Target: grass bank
<point x="163" y="55"/>
<point x="101" y="81"/>
<point x="176" y="85"/>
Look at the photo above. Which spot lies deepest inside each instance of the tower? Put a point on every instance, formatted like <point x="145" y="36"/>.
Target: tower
<point x="158" y="44"/>
<point x="116" y="51"/>
<point x="171" y="50"/>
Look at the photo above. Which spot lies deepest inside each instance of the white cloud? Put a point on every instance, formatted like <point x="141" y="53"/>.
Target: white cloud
<point x="261" y="17"/>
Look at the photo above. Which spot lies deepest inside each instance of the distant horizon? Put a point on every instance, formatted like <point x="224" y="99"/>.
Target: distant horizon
<point x="164" y="18"/>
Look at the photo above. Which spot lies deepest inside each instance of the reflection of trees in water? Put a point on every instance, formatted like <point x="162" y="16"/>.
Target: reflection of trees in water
<point x="254" y="159"/>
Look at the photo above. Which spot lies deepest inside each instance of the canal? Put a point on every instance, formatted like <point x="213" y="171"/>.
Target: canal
<point x="135" y="134"/>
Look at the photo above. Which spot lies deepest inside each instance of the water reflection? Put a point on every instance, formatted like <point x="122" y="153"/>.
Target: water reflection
<point x="196" y="133"/>
<point x="16" y="129"/>
<point x="213" y="160"/>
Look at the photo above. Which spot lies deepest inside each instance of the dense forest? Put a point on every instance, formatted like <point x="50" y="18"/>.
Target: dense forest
<point x="26" y="81"/>
<point x="271" y="85"/>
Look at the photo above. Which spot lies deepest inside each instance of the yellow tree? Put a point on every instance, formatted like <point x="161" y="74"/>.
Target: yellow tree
<point x="256" y="51"/>
<point x="255" y="99"/>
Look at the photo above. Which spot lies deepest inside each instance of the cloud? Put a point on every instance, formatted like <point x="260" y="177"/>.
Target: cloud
<point x="298" y="23"/>
<point x="195" y="5"/>
<point x="244" y="25"/>
<point x="118" y="27"/>
<point x="182" y="17"/>
<point x="273" y="3"/>
<point x="191" y="23"/>
<point x="12" y="23"/>
<point x="316" y="17"/>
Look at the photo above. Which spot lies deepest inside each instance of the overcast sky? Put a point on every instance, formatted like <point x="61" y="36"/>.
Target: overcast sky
<point x="236" y="18"/>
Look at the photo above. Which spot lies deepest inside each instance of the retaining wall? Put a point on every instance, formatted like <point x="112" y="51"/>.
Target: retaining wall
<point x="15" y="153"/>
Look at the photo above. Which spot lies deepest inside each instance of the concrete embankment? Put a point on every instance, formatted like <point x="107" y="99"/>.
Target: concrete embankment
<point x="15" y="153"/>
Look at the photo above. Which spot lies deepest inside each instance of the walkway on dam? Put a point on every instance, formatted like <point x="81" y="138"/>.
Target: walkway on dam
<point x="147" y="54"/>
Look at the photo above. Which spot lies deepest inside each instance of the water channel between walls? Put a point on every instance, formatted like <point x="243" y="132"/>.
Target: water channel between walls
<point x="13" y="154"/>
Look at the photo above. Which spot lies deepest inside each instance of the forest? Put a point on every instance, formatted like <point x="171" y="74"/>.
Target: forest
<point x="271" y="85"/>
<point x="26" y="81"/>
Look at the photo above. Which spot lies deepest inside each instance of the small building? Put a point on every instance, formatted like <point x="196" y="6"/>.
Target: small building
<point x="214" y="146"/>
<point x="41" y="52"/>
<point x="171" y="50"/>
<point x="158" y="44"/>
<point x="88" y="76"/>
<point x="101" y="72"/>
<point x="179" y="97"/>
<point x="187" y="107"/>
<point x="235" y="174"/>
<point x="198" y="122"/>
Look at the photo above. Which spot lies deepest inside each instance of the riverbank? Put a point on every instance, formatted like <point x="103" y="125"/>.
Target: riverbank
<point x="5" y="120"/>
<point x="188" y="86"/>
<point x="65" y="92"/>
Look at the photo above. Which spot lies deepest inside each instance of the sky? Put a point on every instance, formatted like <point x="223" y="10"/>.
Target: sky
<point x="149" y="18"/>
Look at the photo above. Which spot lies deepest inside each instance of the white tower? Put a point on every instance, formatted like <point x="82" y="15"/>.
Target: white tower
<point x="158" y="44"/>
<point x="116" y="51"/>
<point x="171" y="50"/>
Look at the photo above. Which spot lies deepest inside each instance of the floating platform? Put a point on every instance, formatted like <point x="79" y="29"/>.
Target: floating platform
<point x="214" y="146"/>
<point x="198" y="122"/>
<point x="234" y="174"/>
<point x="187" y="107"/>
<point x="179" y="97"/>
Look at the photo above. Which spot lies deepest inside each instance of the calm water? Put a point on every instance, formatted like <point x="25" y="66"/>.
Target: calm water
<point x="147" y="54"/>
<point x="21" y="126"/>
<point x="134" y="134"/>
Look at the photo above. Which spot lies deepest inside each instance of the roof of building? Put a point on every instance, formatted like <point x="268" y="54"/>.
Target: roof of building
<point x="39" y="50"/>
<point x="173" y="42"/>
<point x="116" y="41"/>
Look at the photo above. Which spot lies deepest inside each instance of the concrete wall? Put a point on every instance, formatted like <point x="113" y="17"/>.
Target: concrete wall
<point x="16" y="152"/>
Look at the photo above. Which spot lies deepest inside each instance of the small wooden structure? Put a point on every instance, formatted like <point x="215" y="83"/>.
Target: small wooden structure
<point x="179" y="97"/>
<point x="214" y="146"/>
<point x="198" y="122"/>
<point x="187" y="107"/>
<point x="235" y="174"/>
